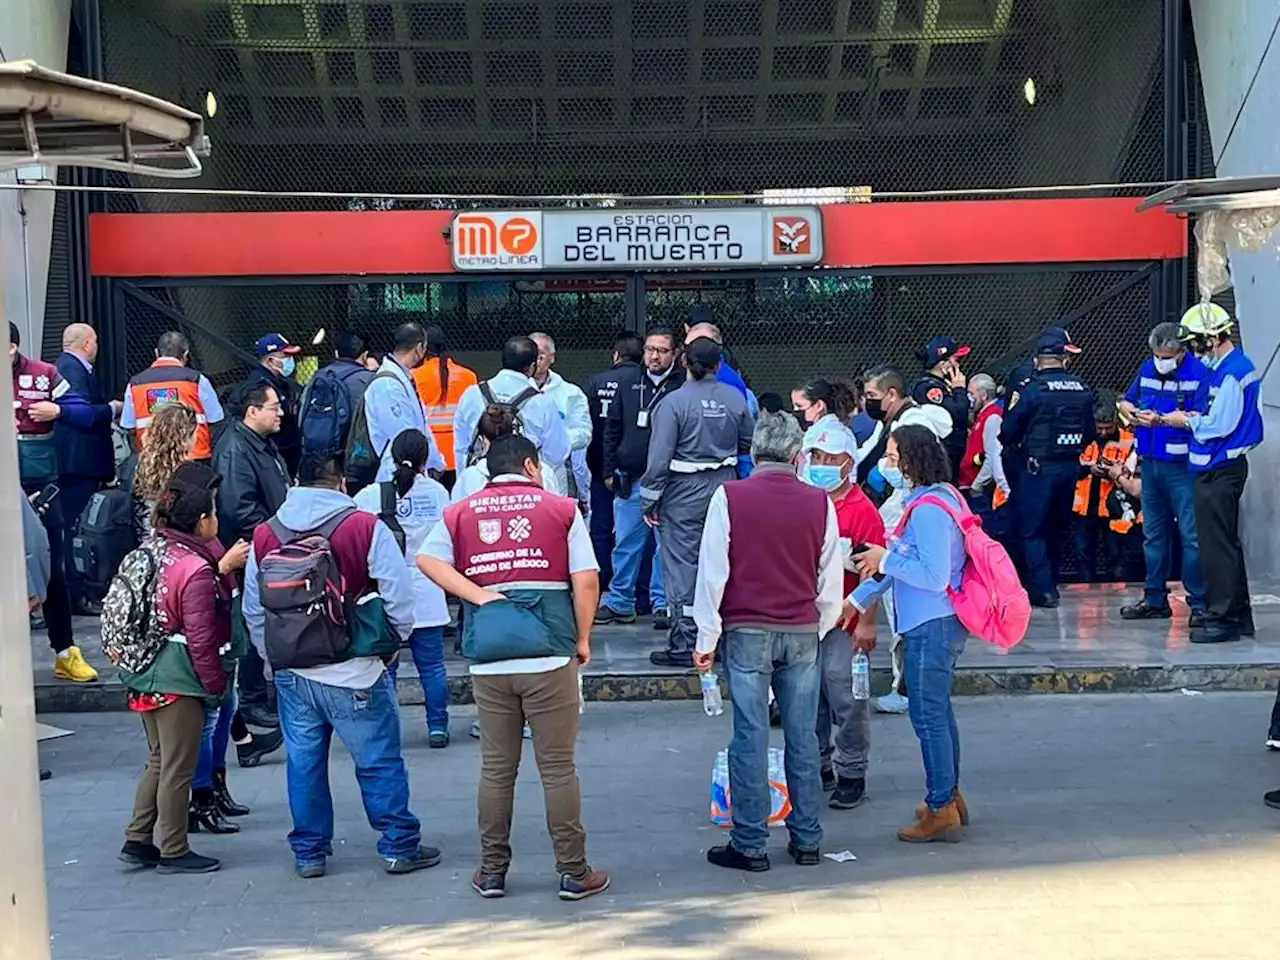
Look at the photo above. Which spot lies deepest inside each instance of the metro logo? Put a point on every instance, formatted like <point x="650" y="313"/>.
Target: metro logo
<point x="792" y="236"/>
<point x="497" y="241"/>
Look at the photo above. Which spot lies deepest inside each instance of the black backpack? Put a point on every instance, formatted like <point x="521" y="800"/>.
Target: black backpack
<point x="476" y="450"/>
<point x="105" y="533"/>
<point x="362" y="460"/>
<point x="325" y="418"/>
<point x="303" y="597"/>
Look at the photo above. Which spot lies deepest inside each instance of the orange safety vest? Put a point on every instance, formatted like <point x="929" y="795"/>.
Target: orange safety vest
<point x="1117" y="451"/>
<point x="168" y="381"/>
<point x="442" y="404"/>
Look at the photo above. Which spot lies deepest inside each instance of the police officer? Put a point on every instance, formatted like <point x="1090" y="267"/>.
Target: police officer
<point x="943" y="383"/>
<point x="601" y="388"/>
<point x="698" y="434"/>
<point x="1226" y="423"/>
<point x="1048" y="421"/>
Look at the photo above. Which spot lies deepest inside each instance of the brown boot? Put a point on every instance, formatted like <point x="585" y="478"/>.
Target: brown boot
<point x="941" y="824"/>
<point x="961" y="806"/>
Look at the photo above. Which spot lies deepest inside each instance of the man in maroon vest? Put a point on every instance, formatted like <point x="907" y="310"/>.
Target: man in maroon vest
<point x="520" y="559"/>
<point x="770" y="579"/>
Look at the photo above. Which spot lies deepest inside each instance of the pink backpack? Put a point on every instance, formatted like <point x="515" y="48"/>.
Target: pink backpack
<point x="990" y="601"/>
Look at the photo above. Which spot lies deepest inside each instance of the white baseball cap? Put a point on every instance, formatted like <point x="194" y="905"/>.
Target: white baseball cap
<point x="830" y="438"/>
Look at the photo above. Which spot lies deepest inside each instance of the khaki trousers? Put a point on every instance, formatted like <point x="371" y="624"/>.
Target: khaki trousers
<point x="549" y="701"/>
<point x="164" y="789"/>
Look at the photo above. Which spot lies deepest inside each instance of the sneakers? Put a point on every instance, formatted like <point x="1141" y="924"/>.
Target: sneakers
<point x="1145" y="611"/>
<point x="189" y="862"/>
<point x="606" y="614"/>
<point x="829" y="781"/>
<point x="260" y="744"/>
<point x="137" y="854"/>
<point x="420" y="859"/>
<point x="848" y="793"/>
<point x="587" y="885"/>
<point x="732" y="858"/>
<point x="491" y="886"/>
<point x="1273" y="742"/>
<point x="961" y="807"/>
<point x="1272" y="799"/>
<point x="309" y="871"/>
<point x="941" y="824"/>
<point x="71" y="665"/>
<point x="892" y="703"/>
<point x="662" y="621"/>
<point x="803" y="858"/>
<point x="438" y="739"/>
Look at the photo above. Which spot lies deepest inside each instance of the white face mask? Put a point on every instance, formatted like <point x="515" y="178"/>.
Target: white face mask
<point x="1165" y="365"/>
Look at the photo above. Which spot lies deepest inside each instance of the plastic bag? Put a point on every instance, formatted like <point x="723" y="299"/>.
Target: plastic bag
<point x="779" y="796"/>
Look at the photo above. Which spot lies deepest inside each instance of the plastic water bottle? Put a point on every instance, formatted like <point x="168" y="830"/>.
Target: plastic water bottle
<point x="712" y="702"/>
<point x="861" y="676"/>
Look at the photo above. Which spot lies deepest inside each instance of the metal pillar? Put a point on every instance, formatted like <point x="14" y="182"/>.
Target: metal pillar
<point x="1173" y="273"/>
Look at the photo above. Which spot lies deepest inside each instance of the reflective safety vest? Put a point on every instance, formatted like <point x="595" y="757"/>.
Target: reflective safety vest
<point x="1117" y="451"/>
<point x="441" y="400"/>
<point x="168" y="381"/>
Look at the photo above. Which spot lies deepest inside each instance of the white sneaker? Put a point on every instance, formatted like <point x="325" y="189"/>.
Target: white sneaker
<point x="475" y="730"/>
<point x="892" y="703"/>
<point x="1273" y="743"/>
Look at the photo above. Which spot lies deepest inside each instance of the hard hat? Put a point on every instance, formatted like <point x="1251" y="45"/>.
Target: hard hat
<point x="1204" y="320"/>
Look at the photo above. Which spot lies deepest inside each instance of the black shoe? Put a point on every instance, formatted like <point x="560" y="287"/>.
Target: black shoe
<point x="662" y="621"/>
<point x="87" y="608"/>
<point x="804" y="858"/>
<point x="1246" y="625"/>
<point x="775" y="714"/>
<point x="1145" y="611"/>
<point x="849" y="793"/>
<point x="1272" y="799"/>
<point x="137" y="854"/>
<point x="1216" y="632"/>
<point x="420" y="859"/>
<point x="491" y="886"/>
<point x="665" y="658"/>
<point x="46" y="775"/>
<point x="189" y="862"/>
<point x="438" y="740"/>
<point x="309" y="871"/>
<point x="1196" y="620"/>
<point x="829" y="781"/>
<point x="203" y="814"/>
<point x="250" y="754"/>
<point x="1045" y="603"/>
<point x="606" y="614"/>
<point x="259" y="715"/>
<point x="729" y="856"/>
<point x="222" y="797"/>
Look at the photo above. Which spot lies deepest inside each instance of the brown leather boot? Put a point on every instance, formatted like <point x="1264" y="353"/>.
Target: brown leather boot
<point x="961" y="806"/>
<point x="941" y="824"/>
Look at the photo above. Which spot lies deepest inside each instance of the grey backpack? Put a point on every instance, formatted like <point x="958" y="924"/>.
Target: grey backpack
<point x="132" y="636"/>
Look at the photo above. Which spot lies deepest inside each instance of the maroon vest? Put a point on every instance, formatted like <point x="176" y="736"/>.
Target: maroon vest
<point x="511" y="532"/>
<point x="776" y="527"/>
<point x="351" y="543"/>
<point x="33" y="382"/>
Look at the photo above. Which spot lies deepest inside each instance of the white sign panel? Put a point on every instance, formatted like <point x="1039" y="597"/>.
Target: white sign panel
<point x="659" y="239"/>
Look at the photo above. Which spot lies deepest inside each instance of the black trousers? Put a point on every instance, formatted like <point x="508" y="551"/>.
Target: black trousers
<point x="57" y="601"/>
<point x="1226" y="584"/>
<point x="1274" y="732"/>
<point x="74" y="492"/>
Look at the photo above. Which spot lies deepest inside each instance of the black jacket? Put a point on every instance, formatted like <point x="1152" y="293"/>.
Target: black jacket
<point x="85" y="453"/>
<point x="955" y="400"/>
<point x="289" y="440"/>
<point x="600" y="389"/>
<point x="254" y="482"/>
<point x="626" y="442"/>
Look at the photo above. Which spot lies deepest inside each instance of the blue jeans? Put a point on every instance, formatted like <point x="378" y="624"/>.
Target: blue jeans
<point x="754" y="661"/>
<point x="213" y="742"/>
<point x="427" y="646"/>
<point x="368" y="724"/>
<point x="630" y="534"/>
<point x="932" y="650"/>
<point x="1168" y="498"/>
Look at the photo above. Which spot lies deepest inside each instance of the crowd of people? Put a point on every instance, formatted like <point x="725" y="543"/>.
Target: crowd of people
<point x="287" y="541"/>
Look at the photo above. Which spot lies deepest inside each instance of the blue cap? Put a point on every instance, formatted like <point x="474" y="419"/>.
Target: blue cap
<point x="1055" y="342"/>
<point x="274" y="343"/>
<point x="939" y="349"/>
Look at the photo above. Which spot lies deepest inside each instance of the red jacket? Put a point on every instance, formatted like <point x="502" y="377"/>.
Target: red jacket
<point x="196" y="603"/>
<point x="971" y="466"/>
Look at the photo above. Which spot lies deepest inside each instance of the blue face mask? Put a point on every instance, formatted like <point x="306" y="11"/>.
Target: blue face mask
<point x="826" y="476"/>
<point x="287" y="366"/>
<point x="892" y="475"/>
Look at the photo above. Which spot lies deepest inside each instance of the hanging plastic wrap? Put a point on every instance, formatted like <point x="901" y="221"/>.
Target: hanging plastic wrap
<point x="1248" y="230"/>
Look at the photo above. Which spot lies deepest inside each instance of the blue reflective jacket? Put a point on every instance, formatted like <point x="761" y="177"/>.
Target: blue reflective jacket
<point x="1209" y="453"/>
<point x="1151" y="390"/>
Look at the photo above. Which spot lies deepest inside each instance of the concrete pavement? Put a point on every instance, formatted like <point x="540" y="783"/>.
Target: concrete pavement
<point x="1126" y="826"/>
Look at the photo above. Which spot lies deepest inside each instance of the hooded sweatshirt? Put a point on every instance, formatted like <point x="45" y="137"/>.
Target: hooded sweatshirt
<point x="306" y="508"/>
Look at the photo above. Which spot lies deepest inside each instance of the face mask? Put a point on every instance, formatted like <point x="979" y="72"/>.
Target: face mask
<point x="892" y="475"/>
<point x="826" y="476"/>
<point x="875" y="408"/>
<point x="800" y="419"/>
<point x="287" y="366"/>
<point x="1165" y="365"/>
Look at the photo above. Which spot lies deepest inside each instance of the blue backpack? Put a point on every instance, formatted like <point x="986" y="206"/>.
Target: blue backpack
<point x="325" y="418"/>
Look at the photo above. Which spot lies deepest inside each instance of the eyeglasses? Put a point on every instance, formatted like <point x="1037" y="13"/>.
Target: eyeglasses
<point x="272" y="407"/>
<point x="658" y="350"/>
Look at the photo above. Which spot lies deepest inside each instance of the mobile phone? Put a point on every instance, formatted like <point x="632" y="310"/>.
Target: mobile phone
<point x="859" y="547"/>
<point x="40" y="501"/>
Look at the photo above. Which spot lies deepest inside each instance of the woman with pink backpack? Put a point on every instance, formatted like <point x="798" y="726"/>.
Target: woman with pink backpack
<point x="943" y="570"/>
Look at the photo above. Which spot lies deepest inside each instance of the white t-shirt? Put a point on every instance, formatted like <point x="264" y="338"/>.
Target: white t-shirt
<point x="418" y="513"/>
<point x="582" y="557"/>
<point x="470" y="480"/>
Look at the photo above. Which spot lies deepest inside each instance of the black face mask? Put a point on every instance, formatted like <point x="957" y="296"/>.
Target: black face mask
<point x="875" y="408"/>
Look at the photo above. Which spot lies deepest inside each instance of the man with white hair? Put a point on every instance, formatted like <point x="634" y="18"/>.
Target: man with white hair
<point x="86" y="457"/>
<point x="981" y="475"/>
<point x="576" y="413"/>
